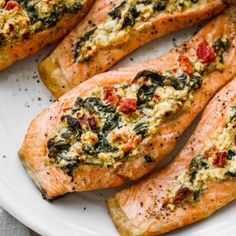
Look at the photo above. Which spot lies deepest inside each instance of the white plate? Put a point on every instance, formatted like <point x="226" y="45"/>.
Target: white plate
<point x="22" y="96"/>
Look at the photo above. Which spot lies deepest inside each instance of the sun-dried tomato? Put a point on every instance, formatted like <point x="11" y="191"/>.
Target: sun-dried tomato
<point x="108" y="92"/>
<point x="127" y="105"/>
<point x="181" y="194"/>
<point x="220" y="159"/>
<point x="108" y="95"/>
<point x="88" y="120"/>
<point x="132" y="142"/>
<point x="156" y="98"/>
<point x="205" y="52"/>
<point x="11" y="5"/>
<point x="185" y="64"/>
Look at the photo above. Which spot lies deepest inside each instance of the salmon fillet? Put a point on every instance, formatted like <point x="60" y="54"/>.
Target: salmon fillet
<point x="118" y="125"/>
<point x="74" y="61"/>
<point x="28" y="26"/>
<point x="139" y="210"/>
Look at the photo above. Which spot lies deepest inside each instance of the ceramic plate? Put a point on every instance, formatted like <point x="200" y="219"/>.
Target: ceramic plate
<point x="22" y="97"/>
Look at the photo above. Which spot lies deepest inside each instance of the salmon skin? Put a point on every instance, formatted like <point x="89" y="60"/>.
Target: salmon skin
<point x="165" y="200"/>
<point x="113" y="29"/>
<point x="118" y="125"/>
<point x="28" y="26"/>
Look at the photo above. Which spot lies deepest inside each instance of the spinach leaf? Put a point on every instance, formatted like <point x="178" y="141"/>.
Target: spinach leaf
<point x="56" y="147"/>
<point x="88" y="150"/>
<point x="154" y="76"/>
<point x="145" y="94"/>
<point x="116" y="12"/>
<point x="160" y="6"/>
<point x="196" y="195"/>
<point x="75" y="7"/>
<point x="73" y="124"/>
<point x="111" y="122"/>
<point x="197" y="164"/>
<point x="130" y="20"/>
<point x="141" y="129"/>
<point x="79" y="44"/>
<point x="103" y="146"/>
<point x="195" y="82"/>
<point x="94" y="105"/>
<point x="221" y="44"/>
<point x="148" y="159"/>
<point x="231" y="154"/>
<point x="230" y="174"/>
<point x="179" y="82"/>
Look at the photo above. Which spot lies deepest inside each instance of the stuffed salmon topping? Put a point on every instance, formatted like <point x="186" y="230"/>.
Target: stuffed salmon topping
<point x="108" y="125"/>
<point x="128" y="16"/>
<point x="19" y="20"/>
<point x="216" y="162"/>
<point x="112" y="30"/>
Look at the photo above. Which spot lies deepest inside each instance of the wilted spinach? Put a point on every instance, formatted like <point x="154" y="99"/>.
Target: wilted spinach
<point x="112" y="121"/>
<point x="94" y="105"/>
<point x="141" y="129"/>
<point x="160" y="5"/>
<point x="145" y="93"/>
<point x="79" y="44"/>
<point x="199" y="162"/>
<point x="116" y="12"/>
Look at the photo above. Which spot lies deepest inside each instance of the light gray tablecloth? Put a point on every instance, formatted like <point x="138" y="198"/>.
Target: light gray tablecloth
<point x="11" y="227"/>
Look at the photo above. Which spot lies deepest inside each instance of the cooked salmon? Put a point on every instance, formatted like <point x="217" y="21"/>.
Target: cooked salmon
<point x="113" y="29"/>
<point x="28" y="26"/>
<point x="118" y="125"/>
<point x="198" y="182"/>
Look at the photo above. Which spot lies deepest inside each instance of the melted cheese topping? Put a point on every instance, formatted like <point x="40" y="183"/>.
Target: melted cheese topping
<point x="109" y="124"/>
<point x="117" y="29"/>
<point x="21" y="19"/>
<point x="216" y="162"/>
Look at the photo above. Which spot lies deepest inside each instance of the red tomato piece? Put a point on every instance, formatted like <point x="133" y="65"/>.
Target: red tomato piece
<point x="108" y="95"/>
<point x="156" y="98"/>
<point x="132" y="143"/>
<point x="205" y="52"/>
<point x="220" y="159"/>
<point x="108" y="92"/>
<point x="127" y="105"/>
<point x="11" y="5"/>
<point x="114" y="100"/>
<point x="185" y="64"/>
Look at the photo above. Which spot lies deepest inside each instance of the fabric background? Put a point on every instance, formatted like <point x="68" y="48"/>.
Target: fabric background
<point x="9" y="226"/>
